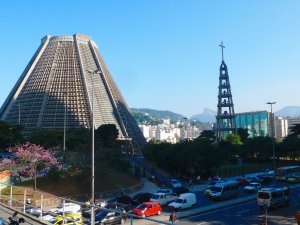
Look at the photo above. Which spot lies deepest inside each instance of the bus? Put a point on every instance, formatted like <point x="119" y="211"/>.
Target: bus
<point x="273" y="197"/>
<point x="283" y="172"/>
<point x="225" y="190"/>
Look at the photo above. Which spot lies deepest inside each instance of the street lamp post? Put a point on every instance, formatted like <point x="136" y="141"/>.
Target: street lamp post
<point x="93" y="72"/>
<point x="273" y="127"/>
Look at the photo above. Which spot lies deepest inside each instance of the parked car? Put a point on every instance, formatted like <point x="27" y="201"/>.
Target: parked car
<point x="141" y="197"/>
<point x="67" y="208"/>
<point x="121" y="207"/>
<point x="86" y="209"/>
<point x="254" y="179"/>
<point x="186" y="200"/>
<point x="71" y="219"/>
<point x="147" y="209"/>
<point x="174" y="183"/>
<point x="123" y="199"/>
<point x="35" y="211"/>
<point x="252" y="187"/>
<point x="210" y="185"/>
<point x="180" y="190"/>
<point x="162" y="198"/>
<point x="242" y="181"/>
<point x="107" y="217"/>
<point x="265" y="179"/>
<point x="293" y="179"/>
<point x="166" y="191"/>
<point x="48" y="216"/>
<point x="222" y="191"/>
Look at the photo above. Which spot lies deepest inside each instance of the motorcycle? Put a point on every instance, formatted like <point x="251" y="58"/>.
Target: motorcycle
<point x="15" y="221"/>
<point x="2" y="221"/>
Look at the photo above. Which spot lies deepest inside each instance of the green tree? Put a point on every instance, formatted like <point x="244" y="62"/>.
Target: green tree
<point x="290" y="146"/>
<point x="30" y="159"/>
<point x="234" y="139"/>
<point x="10" y="135"/>
<point x="50" y="138"/>
<point x="208" y="136"/>
<point x="243" y="133"/>
<point x="106" y="134"/>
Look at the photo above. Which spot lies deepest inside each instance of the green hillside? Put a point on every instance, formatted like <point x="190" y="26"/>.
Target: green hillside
<point x="149" y="116"/>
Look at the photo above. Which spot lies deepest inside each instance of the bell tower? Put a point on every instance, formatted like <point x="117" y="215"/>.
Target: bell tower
<point x="225" y="116"/>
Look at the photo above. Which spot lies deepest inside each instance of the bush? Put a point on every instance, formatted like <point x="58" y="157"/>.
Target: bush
<point x="5" y="191"/>
<point x="55" y="173"/>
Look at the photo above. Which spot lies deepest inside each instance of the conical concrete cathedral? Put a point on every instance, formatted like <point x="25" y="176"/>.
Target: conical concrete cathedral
<point x="56" y="88"/>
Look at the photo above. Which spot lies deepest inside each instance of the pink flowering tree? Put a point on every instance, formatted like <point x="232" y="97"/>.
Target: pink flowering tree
<point x="30" y="159"/>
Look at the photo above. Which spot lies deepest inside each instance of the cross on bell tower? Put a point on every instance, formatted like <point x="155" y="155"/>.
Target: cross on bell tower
<point x="225" y="118"/>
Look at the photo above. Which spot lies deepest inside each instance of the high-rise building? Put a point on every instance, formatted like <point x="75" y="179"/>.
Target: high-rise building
<point x="281" y="128"/>
<point x="292" y="121"/>
<point x="64" y="83"/>
<point x="225" y="123"/>
<point x="257" y="123"/>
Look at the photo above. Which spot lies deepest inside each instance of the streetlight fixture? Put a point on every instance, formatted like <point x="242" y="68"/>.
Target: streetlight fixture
<point x="19" y="108"/>
<point x="93" y="72"/>
<point x="273" y="127"/>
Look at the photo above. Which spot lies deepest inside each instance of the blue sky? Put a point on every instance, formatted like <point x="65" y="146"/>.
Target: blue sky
<point x="165" y="54"/>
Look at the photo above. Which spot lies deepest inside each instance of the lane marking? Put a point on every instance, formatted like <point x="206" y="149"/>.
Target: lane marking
<point x="202" y="223"/>
<point x="244" y="211"/>
<point x="222" y="209"/>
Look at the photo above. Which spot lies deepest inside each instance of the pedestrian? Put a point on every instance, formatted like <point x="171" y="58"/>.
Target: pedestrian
<point x="191" y="182"/>
<point x="123" y="191"/>
<point x="209" y="179"/>
<point x="28" y="202"/>
<point x="173" y="217"/>
<point x="262" y="223"/>
<point x="297" y="217"/>
<point x="198" y="179"/>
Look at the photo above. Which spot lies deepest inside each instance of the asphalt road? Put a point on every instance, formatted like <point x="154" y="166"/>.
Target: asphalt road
<point x="243" y="214"/>
<point x="248" y="214"/>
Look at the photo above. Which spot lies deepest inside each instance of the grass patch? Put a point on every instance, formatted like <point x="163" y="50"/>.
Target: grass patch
<point x="76" y="184"/>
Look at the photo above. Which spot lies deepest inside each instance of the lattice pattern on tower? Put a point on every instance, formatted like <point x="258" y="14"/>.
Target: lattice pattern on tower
<point x="225" y="123"/>
<point x="57" y="83"/>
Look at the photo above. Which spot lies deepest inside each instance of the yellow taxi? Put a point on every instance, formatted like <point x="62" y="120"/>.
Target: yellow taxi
<point x="70" y="219"/>
<point x="293" y="179"/>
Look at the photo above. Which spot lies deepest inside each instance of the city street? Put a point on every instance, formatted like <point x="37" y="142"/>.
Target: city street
<point x="246" y="213"/>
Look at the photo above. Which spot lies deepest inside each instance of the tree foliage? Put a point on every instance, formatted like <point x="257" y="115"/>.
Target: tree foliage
<point x="107" y="134"/>
<point x="10" y="135"/>
<point x="30" y="159"/>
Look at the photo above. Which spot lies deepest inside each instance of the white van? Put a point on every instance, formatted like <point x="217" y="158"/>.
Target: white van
<point x="186" y="200"/>
<point x="162" y="198"/>
<point x="273" y="197"/>
<point x="225" y="190"/>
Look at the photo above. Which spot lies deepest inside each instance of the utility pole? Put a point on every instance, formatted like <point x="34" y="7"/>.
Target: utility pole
<point x="272" y="117"/>
<point x="93" y="72"/>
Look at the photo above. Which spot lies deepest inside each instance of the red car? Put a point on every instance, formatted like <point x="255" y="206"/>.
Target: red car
<point x="147" y="209"/>
<point x="242" y="181"/>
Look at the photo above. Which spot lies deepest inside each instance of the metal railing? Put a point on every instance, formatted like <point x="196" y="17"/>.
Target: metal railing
<point x="17" y="198"/>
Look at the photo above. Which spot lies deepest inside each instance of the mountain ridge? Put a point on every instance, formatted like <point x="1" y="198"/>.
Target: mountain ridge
<point x="207" y="115"/>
